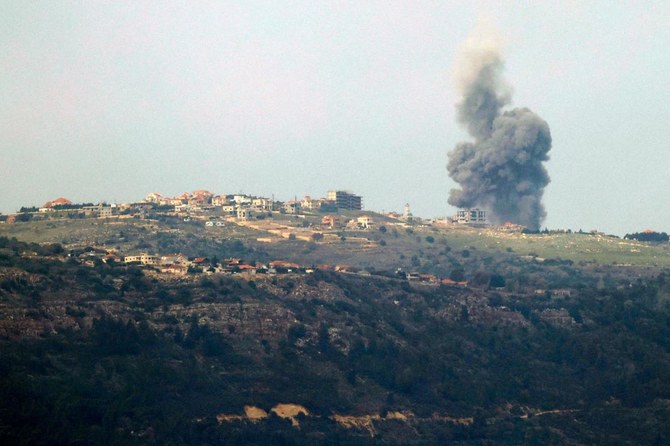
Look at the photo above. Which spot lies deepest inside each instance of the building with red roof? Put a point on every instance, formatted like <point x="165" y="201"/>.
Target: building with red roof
<point x="57" y="202"/>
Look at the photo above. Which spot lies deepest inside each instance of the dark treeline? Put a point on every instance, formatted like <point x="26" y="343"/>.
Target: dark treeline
<point x="648" y="236"/>
<point x="368" y="345"/>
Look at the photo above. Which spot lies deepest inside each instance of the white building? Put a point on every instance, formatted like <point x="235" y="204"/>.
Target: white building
<point x="365" y="222"/>
<point x="241" y="199"/>
<point x="243" y="213"/>
<point x="469" y="216"/>
<point x="144" y="259"/>
<point x="262" y="204"/>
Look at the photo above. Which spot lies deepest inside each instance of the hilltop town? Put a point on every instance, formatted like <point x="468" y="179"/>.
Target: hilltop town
<point x="334" y="219"/>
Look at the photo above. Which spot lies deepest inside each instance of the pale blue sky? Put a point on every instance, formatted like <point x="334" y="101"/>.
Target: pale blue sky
<point x="111" y="100"/>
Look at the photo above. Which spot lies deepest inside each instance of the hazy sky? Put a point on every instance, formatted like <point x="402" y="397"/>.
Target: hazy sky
<point x="111" y="100"/>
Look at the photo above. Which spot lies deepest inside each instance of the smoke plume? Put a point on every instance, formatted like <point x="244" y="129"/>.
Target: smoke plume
<point x="502" y="170"/>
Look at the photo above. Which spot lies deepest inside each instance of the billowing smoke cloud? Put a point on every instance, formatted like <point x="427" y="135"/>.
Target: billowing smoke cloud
<point x="502" y="170"/>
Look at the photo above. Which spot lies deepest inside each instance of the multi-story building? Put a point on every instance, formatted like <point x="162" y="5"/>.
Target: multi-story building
<point x="99" y="210"/>
<point x="144" y="259"/>
<point x="470" y="216"/>
<point x="292" y="207"/>
<point x="261" y="204"/>
<point x="345" y="200"/>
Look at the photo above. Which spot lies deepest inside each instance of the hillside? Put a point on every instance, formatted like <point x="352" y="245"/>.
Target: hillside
<point x="401" y="241"/>
<point x="571" y="349"/>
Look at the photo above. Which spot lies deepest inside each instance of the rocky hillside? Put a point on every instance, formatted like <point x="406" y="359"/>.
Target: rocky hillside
<point x="110" y="354"/>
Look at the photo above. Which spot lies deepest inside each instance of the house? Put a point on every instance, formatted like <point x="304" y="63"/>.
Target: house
<point x="277" y="264"/>
<point x="308" y="203"/>
<point x="330" y="221"/>
<point x="242" y="199"/>
<point x="561" y="292"/>
<point x="352" y="224"/>
<point x="247" y="269"/>
<point x="428" y="278"/>
<point x="243" y="213"/>
<point x="261" y="204"/>
<point x="99" y="210"/>
<point x="144" y="259"/>
<point x="183" y="197"/>
<point x="106" y="211"/>
<point x="470" y="216"/>
<point x="177" y="270"/>
<point x="202" y="262"/>
<point x="57" y="202"/>
<point x="184" y="208"/>
<point x="365" y="222"/>
<point x="511" y="227"/>
<point x="220" y="200"/>
<point x="153" y="197"/>
<point x="292" y="207"/>
<point x="452" y="282"/>
<point x="557" y="317"/>
<point x="111" y="257"/>
<point x="201" y="197"/>
<point x="172" y="259"/>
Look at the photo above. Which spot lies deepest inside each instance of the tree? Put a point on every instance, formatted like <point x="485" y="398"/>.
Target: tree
<point x="481" y="278"/>
<point x="497" y="281"/>
<point x="317" y="236"/>
<point x="457" y="275"/>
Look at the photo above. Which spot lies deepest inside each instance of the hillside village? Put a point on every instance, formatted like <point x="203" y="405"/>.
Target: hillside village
<point x="291" y="220"/>
<point x="334" y="221"/>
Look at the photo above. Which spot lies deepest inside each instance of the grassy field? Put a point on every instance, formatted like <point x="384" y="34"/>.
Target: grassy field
<point x="393" y="248"/>
<point x="575" y="247"/>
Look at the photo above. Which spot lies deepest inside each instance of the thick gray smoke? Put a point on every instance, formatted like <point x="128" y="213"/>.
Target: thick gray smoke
<point x="502" y="170"/>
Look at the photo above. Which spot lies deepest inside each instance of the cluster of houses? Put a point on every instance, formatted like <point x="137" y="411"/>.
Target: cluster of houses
<point x="336" y="222"/>
<point x="181" y="265"/>
<point x="245" y="206"/>
<point x="242" y="206"/>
